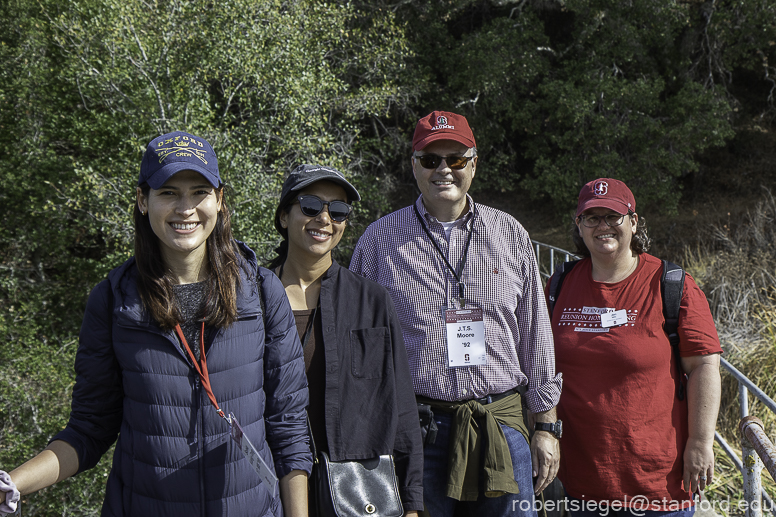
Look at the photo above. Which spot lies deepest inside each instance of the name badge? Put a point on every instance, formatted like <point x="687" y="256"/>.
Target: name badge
<point x="252" y="455"/>
<point x="465" y="337"/>
<point x="614" y="319"/>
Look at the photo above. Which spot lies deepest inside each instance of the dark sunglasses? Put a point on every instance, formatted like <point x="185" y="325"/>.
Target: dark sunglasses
<point x="432" y="161"/>
<point x="313" y="205"/>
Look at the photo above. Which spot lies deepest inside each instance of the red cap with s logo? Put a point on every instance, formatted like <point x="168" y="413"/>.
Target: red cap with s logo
<point x="606" y="193"/>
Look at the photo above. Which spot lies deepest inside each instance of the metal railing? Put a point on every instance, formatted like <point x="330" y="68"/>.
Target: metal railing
<point x="755" y="445"/>
<point x="547" y="267"/>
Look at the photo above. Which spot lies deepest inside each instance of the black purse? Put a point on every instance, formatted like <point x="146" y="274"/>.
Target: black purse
<point x="357" y="488"/>
<point x="353" y="488"/>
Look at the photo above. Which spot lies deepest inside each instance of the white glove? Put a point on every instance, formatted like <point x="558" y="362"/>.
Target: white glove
<point x="9" y="495"/>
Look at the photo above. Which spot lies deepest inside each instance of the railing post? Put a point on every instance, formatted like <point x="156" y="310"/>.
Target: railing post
<point x="743" y="399"/>
<point x="752" y="469"/>
<point x="752" y="429"/>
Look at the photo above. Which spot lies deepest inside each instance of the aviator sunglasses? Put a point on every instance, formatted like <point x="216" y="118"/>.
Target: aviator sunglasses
<point x="313" y="205"/>
<point x="432" y="161"/>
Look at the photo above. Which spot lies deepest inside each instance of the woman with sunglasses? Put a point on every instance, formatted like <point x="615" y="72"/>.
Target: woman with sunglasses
<point x="361" y="400"/>
<point x="637" y="435"/>
<point x="187" y="343"/>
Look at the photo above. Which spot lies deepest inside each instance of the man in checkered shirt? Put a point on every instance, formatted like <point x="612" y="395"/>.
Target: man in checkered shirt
<point x="466" y="286"/>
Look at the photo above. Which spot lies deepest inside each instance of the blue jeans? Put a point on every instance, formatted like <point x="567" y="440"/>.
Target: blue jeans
<point x="435" y="479"/>
<point x="582" y="508"/>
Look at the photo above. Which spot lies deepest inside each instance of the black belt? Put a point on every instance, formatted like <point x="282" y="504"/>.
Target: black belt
<point x="450" y="407"/>
<point x="494" y="398"/>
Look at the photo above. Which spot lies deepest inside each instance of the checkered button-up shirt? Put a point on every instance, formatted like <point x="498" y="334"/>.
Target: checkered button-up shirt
<point x="501" y="278"/>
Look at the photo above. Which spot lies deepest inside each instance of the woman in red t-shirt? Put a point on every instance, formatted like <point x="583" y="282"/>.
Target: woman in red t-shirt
<point x="630" y="445"/>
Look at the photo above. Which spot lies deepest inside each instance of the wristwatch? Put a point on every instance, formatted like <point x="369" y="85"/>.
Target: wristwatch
<point x="556" y="428"/>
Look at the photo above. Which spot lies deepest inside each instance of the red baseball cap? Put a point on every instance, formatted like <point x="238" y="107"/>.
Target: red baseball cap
<point x="606" y="193"/>
<point x="442" y="125"/>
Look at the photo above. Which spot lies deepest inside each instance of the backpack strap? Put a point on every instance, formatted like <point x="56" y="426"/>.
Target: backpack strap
<point x="671" y="288"/>
<point x="561" y="270"/>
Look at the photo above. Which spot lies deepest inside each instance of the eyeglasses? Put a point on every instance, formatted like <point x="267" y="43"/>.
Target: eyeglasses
<point x="313" y="205"/>
<point x="432" y="161"/>
<point x="592" y="221"/>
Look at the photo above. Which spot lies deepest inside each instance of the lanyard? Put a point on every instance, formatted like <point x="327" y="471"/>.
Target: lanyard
<point x="203" y="374"/>
<point x="457" y="275"/>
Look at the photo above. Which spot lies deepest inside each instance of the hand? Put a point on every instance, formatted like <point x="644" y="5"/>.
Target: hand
<point x="545" y="458"/>
<point x="9" y="495"/>
<point x="698" y="464"/>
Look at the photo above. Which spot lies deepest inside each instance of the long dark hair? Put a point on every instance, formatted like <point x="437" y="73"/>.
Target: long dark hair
<point x="639" y="243"/>
<point x="281" y="252"/>
<point x="155" y="281"/>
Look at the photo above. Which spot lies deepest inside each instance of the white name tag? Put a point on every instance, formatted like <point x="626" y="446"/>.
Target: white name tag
<point x="465" y="337"/>
<point x="253" y="457"/>
<point x="614" y="319"/>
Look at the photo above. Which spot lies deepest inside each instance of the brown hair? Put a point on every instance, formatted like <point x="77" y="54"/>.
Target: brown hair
<point x="639" y="243"/>
<point x="154" y="282"/>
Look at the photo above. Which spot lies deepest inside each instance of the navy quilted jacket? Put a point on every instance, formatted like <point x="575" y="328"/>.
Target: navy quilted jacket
<point x="173" y="456"/>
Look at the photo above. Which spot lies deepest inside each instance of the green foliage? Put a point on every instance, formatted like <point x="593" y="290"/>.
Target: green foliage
<point x="270" y="84"/>
<point x="36" y="381"/>
<point x="561" y="93"/>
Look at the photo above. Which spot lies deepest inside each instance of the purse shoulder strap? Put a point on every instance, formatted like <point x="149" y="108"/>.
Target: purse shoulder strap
<point x="305" y="341"/>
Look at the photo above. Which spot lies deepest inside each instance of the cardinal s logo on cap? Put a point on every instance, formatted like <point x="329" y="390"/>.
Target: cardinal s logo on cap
<point x="601" y="188"/>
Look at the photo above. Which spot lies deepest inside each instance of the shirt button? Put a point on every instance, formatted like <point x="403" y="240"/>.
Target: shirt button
<point x="463" y="391"/>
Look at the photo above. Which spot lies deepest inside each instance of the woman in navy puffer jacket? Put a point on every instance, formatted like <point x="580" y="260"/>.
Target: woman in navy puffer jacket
<point x="178" y="345"/>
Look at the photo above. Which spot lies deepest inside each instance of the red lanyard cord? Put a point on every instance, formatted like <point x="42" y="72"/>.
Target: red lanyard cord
<point x="203" y="373"/>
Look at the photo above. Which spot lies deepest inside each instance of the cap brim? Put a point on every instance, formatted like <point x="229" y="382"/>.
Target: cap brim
<point x="433" y="137"/>
<point x="160" y="177"/>
<point x="350" y="190"/>
<point x="611" y="204"/>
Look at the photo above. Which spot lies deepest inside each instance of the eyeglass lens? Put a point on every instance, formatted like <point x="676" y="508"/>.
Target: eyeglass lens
<point x="313" y="205"/>
<point x="591" y="221"/>
<point x="432" y="161"/>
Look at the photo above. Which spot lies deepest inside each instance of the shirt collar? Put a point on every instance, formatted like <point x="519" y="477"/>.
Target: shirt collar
<point x="467" y="217"/>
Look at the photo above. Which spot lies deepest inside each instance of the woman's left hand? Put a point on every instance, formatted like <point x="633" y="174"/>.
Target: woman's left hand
<point x="698" y="464"/>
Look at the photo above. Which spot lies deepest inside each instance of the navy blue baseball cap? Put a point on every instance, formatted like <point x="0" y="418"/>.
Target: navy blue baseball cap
<point x="178" y="151"/>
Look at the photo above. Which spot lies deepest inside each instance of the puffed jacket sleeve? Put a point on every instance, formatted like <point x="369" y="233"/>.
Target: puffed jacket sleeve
<point x="408" y="446"/>
<point x="285" y="382"/>
<point x="97" y="405"/>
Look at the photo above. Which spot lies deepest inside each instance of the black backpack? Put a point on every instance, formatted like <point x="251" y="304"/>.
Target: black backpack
<point x="671" y="288"/>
